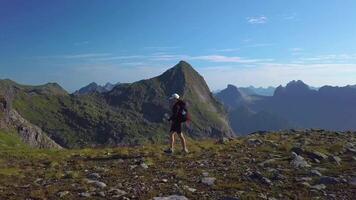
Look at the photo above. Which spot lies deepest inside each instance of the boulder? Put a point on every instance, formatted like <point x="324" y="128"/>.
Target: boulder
<point x="299" y="161"/>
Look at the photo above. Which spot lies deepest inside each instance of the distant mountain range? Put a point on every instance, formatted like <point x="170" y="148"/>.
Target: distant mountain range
<point x="121" y="115"/>
<point x="94" y="87"/>
<point x="294" y="106"/>
<point x="133" y="113"/>
<point x="251" y="90"/>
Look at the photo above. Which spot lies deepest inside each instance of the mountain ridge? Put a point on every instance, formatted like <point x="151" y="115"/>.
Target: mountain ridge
<point x="130" y="113"/>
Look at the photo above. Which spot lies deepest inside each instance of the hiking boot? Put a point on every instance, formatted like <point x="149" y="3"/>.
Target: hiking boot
<point x="169" y="151"/>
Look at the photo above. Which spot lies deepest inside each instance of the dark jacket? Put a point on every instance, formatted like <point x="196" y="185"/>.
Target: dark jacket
<point x="177" y="109"/>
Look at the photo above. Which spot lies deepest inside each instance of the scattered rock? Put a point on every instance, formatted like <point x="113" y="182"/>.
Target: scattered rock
<point x="318" y="187"/>
<point x="315" y="172"/>
<point x="336" y="159"/>
<point x="316" y="155"/>
<point x="299" y="161"/>
<point x="190" y="189"/>
<point x="172" y="197"/>
<point x="62" y="194"/>
<point x="164" y="180"/>
<point x="306" y="184"/>
<point x="117" y="192"/>
<point x="253" y="141"/>
<point x="144" y="165"/>
<point x="304" y="179"/>
<point x="94" y="176"/>
<point x="208" y="181"/>
<point x="96" y="183"/>
<point x="257" y="176"/>
<point x="85" y="194"/>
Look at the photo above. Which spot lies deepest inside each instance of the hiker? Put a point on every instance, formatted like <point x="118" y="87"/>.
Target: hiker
<point x="178" y="117"/>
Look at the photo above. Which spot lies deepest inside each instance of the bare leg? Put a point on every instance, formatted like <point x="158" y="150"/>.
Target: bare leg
<point x="184" y="143"/>
<point x="172" y="140"/>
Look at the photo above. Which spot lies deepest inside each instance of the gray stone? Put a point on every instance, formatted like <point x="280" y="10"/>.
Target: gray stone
<point x="172" y="197"/>
<point x="85" y="194"/>
<point x="253" y="141"/>
<point x="315" y="173"/>
<point x="190" y="189"/>
<point x="304" y="179"/>
<point x="144" y="165"/>
<point x="299" y="161"/>
<point x="306" y="184"/>
<point x="96" y="183"/>
<point x="94" y="176"/>
<point x="208" y="181"/>
<point x="336" y="159"/>
<point x="318" y="187"/>
<point x="62" y="194"/>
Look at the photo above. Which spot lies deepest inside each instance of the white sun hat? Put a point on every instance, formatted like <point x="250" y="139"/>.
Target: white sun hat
<point x="174" y="96"/>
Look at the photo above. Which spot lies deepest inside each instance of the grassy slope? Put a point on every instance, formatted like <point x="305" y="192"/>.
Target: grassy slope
<point x="228" y="163"/>
<point x="10" y="140"/>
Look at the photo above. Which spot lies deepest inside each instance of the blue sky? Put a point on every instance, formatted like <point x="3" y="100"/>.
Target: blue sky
<point x="243" y="42"/>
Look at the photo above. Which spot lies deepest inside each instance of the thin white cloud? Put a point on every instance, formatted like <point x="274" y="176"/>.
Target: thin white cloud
<point x="296" y="49"/>
<point x="257" y="20"/>
<point x="330" y="58"/>
<point x="209" y="58"/>
<point x="74" y="56"/>
<point x="228" y="59"/>
<point x="227" y="50"/>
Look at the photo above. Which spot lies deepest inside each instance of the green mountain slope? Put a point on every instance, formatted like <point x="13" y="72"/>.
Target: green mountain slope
<point x="129" y="114"/>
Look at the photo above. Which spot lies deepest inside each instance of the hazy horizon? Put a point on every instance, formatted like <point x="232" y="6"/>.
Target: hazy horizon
<point x="242" y="43"/>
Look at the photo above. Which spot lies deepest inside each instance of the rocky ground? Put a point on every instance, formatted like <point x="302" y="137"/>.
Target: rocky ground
<point x="308" y="164"/>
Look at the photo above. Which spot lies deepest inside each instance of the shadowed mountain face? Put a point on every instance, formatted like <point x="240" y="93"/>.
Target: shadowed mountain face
<point x="243" y="118"/>
<point x="297" y="106"/>
<point x="149" y="97"/>
<point x="230" y="97"/>
<point x="128" y="114"/>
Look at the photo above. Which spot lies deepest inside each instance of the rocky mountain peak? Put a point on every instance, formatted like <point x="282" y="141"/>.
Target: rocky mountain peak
<point x="293" y="88"/>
